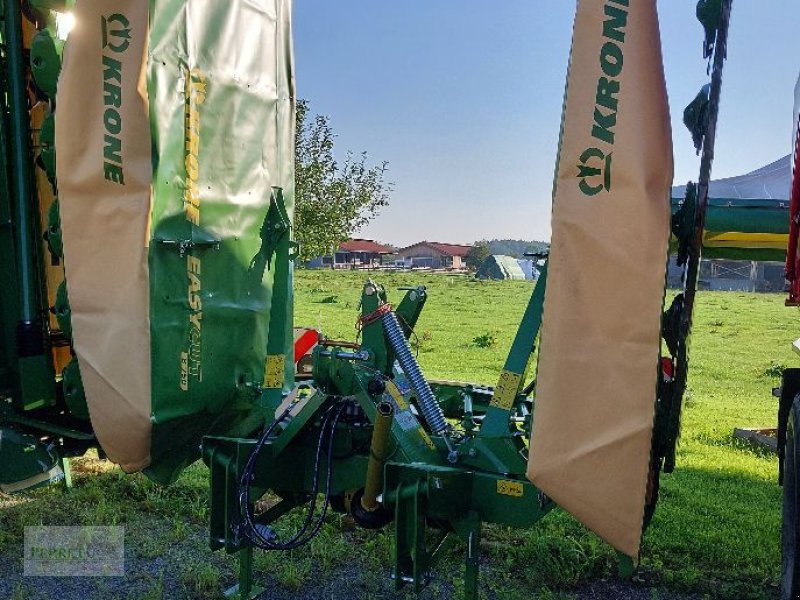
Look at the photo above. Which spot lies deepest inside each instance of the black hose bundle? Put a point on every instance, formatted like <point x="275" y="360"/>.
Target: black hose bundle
<point x="264" y="537"/>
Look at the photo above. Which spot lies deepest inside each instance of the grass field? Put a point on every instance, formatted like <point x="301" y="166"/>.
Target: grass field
<point x="716" y="531"/>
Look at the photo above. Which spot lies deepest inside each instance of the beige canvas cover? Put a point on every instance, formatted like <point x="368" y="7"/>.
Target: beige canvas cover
<point x="104" y="181"/>
<point x="597" y="372"/>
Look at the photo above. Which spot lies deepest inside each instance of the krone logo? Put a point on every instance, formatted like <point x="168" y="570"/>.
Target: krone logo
<point x="594" y="172"/>
<point x="119" y="38"/>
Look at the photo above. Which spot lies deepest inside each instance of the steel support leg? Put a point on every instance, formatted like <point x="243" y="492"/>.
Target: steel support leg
<point x="244" y="590"/>
<point x="411" y="556"/>
<point x="626" y="567"/>
<point x="67" y="469"/>
<point x="472" y="563"/>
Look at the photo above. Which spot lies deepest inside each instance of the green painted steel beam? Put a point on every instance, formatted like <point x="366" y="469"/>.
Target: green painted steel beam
<point x="764" y="254"/>
<point x="50" y="426"/>
<point x="519" y="355"/>
<point x="34" y="369"/>
<point x="279" y="369"/>
<point x="516" y="365"/>
<point x="744" y="215"/>
<point x="9" y="274"/>
<point x="20" y="155"/>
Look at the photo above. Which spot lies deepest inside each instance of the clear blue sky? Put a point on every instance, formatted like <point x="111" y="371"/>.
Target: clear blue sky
<point x="463" y="98"/>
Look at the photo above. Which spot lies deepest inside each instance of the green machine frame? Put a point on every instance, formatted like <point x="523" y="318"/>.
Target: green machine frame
<point x="469" y="471"/>
<point x="42" y="409"/>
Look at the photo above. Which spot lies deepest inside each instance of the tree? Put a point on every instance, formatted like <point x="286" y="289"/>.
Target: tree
<point x="516" y="248"/>
<point x="332" y="200"/>
<point x="477" y="254"/>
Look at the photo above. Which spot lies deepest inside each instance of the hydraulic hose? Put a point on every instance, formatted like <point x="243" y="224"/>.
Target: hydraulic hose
<point x="263" y="537"/>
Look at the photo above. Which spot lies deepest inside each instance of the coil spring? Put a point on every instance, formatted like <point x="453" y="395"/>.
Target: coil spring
<point x="431" y="410"/>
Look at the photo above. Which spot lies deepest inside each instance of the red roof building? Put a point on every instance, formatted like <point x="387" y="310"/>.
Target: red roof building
<point x="369" y="246"/>
<point x="436" y="255"/>
<point x="354" y="253"/>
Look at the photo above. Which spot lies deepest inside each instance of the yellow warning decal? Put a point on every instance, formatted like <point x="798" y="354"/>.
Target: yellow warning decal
<point x="510" y="488"/>
<point x="426" y="438"/>
<point x="506" y="391"/>
<point x="274" y="371"/>
<point x="391" y="387"/>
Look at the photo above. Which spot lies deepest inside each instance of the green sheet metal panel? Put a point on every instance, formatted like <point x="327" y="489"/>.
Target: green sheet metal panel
<point x="748" y="216"/>
<point x="175" y="296"/>
<point x="745" y="215"/>
<point x="222" y="112"/>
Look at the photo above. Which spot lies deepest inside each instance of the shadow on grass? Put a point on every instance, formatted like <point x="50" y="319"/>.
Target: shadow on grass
<point x="715" y="535"/>
<point x="716" y="531"/>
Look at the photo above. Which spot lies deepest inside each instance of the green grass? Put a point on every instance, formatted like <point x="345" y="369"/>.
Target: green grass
<point x="716" y="531"/>
<point x="717" y="527"/>
<point x="459" y="311"/>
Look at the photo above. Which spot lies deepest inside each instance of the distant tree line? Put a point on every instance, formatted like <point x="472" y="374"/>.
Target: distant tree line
<point x="516" y="248"/>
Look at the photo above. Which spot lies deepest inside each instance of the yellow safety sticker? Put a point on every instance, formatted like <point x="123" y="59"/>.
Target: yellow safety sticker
<point x="506" y="391"/>
<point x="510" y="488"/>
<point x="274" y="371"/>
<point x="396" y="395"/>
<point x="426" y="438"/>
<point x="405" y="418"/>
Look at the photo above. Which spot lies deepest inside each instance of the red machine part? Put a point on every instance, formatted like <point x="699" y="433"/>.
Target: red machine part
<point x="667" y="368"/>
<point x="792" y="257"/>
<point x="304" y="341"/>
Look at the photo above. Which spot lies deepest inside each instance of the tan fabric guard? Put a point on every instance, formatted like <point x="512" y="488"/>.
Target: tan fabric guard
<point x="105" y="223"/>
<point x="598" y="360"/>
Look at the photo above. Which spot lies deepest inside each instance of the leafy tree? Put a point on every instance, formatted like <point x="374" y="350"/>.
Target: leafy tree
<point x="332" y="200"/>
<point x="516" y="248"/>
<point x="477" y="254"/>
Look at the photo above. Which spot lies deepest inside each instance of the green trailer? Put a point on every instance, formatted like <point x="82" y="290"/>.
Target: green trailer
<point x="747" y="217"/>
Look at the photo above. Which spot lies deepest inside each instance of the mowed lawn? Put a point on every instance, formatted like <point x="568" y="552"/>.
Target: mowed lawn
<point x="716" y="532"/>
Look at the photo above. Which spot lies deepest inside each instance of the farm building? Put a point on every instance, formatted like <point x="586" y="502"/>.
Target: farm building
<point x="500" y="266"/>
<point x="434" y="255"/>
<point x="354" y="253"/>
<point x="528" y="267"/>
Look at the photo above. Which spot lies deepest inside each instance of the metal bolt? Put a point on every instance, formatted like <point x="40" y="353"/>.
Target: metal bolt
<point x="544" y="500"/>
